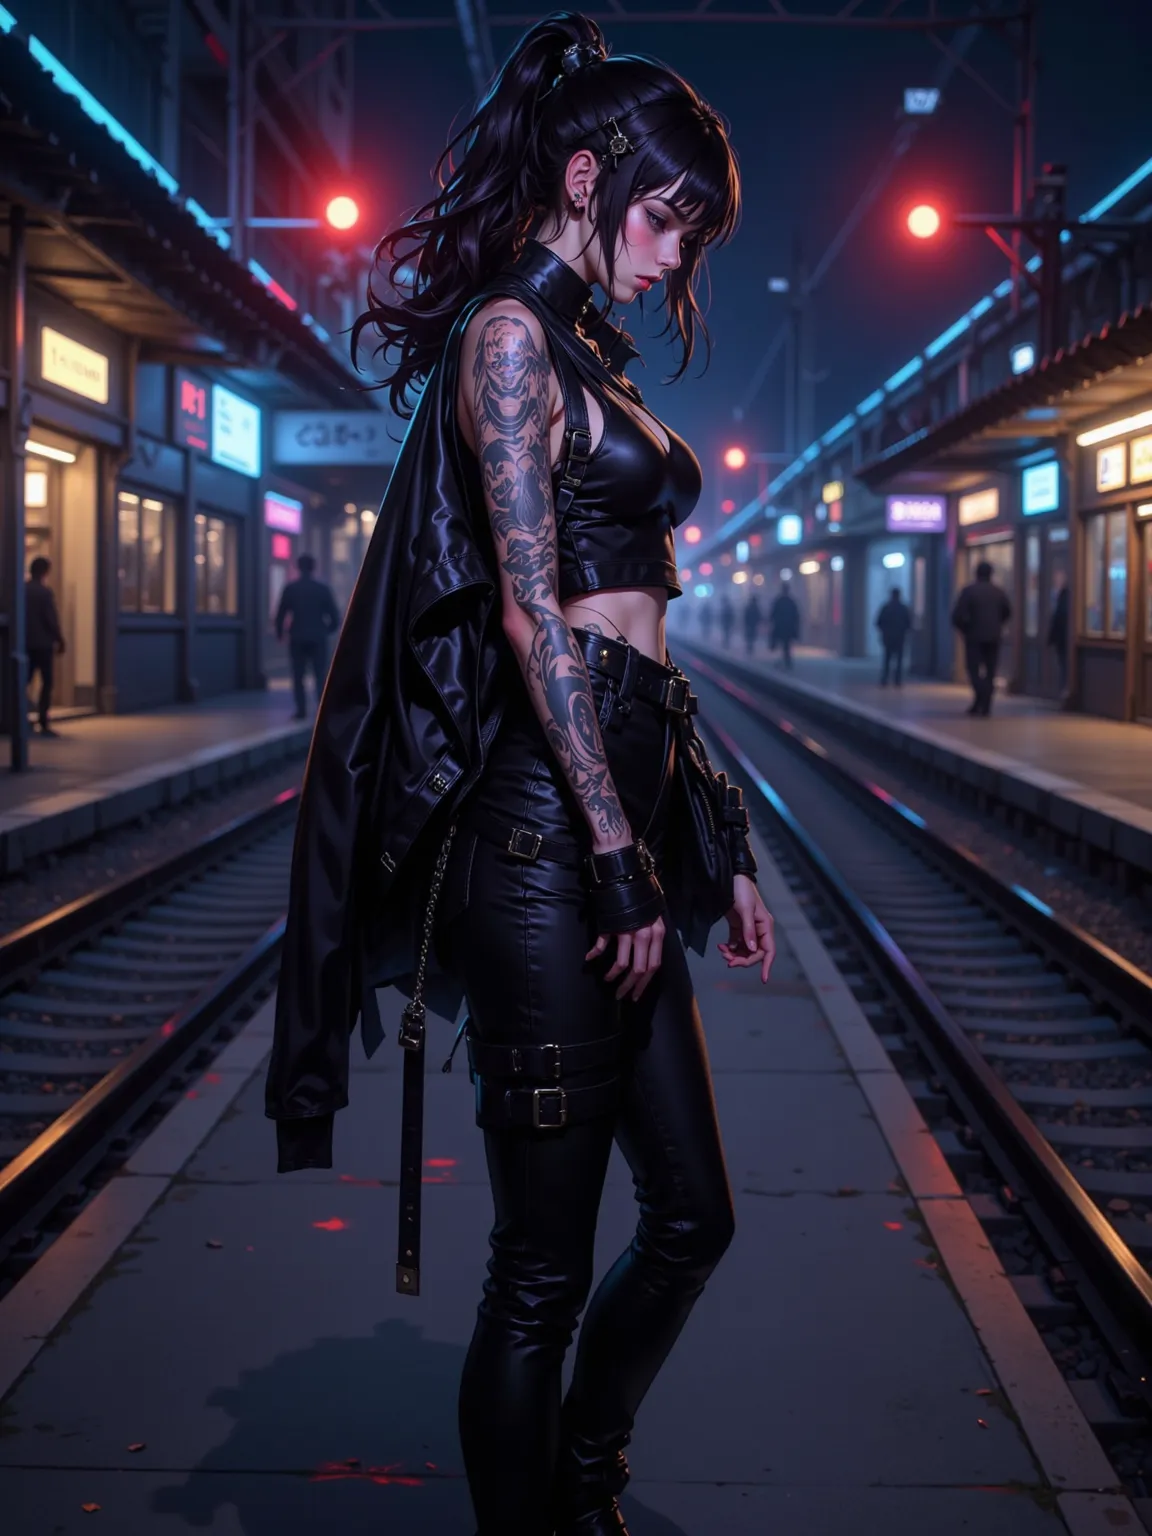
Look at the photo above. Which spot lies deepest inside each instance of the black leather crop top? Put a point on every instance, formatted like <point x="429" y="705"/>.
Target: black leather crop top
<point x="618" y="529"/>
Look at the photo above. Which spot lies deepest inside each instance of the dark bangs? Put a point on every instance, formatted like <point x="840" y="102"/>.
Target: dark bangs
<point x="680" y="145"/>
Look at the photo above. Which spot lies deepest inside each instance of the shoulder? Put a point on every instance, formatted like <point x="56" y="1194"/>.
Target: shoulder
<point x="504" y="326"/>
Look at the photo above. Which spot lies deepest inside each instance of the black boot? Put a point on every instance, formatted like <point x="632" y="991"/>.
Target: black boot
<point x="586" y="1495"/>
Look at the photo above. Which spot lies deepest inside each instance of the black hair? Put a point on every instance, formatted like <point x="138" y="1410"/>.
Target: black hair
<point x="504" y="171"/>
<point x="305" y="564"/>
<point x="983" y="571"/>
<point x="39" y="567"/>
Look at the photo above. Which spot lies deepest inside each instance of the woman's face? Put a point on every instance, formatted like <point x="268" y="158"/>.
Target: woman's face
<point x="649" y="245"/>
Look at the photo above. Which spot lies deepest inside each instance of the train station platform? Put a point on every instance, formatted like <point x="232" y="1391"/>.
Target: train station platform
<point x="103" y="771"/>
<point x="1090" y="778"/>
<point x="211" y="1347"/>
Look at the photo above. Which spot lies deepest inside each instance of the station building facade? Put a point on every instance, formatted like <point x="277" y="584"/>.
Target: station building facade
<point x="145" y="357"/>
<point x="981" y="449"/>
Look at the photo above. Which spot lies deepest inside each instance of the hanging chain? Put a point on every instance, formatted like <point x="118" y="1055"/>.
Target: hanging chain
<point x="411" y="1036"/>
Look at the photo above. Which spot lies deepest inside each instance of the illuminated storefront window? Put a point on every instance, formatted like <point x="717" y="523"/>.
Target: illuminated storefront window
<point x="216" y="561"/>
<point x="146" y="558"/>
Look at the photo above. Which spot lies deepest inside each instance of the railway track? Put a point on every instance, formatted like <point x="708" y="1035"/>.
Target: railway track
<point x="104" y="1000"/>
<point x="1041" y="1035"/>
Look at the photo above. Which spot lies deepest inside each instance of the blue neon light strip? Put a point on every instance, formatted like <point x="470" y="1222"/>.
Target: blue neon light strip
<point x="205" y="220"/>
<point x="948" y="336"/>
<point x="843" y="425"/>
<point x="315" y="326"/>
<point x="7" y="20"/>
<point x="69" y="84"/>
<point x="1002" y="290"/>
<point x="981" y="307"/>
<point x="1117" y="193"/>
<point x="870" y="403"/>
<point x="902" y="375"/>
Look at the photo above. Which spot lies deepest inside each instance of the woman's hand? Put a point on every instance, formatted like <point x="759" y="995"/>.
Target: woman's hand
<point x="638" y="954"/>
<point x="751" y="930"/>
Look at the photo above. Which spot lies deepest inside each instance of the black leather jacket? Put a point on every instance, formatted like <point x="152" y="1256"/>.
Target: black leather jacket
<point x="413" y="699"/>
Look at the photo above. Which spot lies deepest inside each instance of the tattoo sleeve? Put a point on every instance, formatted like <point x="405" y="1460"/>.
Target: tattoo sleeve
<point x="510" y="404"/>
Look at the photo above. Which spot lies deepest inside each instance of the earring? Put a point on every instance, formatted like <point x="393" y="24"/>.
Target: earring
<point x="578" y="201"/>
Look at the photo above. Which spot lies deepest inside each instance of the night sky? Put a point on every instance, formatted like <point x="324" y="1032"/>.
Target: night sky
<point x="812" y="113"/>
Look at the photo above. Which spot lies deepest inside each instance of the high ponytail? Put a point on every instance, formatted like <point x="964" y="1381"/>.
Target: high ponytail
<point x="504" y="169"/>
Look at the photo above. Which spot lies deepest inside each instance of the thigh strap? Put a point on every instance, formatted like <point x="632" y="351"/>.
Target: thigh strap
<point x="542" y="1109"/>
<point x="547" y="1062"/>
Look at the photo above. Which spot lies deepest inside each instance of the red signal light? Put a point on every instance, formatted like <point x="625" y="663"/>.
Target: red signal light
<point x="727" y="505"/>
<point x="342" y="212"/>
<point x="924" y="221"/>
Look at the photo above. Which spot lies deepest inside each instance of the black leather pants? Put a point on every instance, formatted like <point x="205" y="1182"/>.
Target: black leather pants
<point x="516" y="933"/>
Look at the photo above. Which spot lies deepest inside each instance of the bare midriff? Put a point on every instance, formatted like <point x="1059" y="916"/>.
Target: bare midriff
<point x="634" y="614"/>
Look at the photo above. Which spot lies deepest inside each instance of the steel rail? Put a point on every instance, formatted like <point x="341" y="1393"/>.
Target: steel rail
<point x="27" y="950"/>
<point x="37" y="1177"/>
<point x="32" y="1181"/>
<point x="1110" y="1269"/>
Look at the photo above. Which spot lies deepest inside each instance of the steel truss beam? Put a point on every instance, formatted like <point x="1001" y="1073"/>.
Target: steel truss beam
<point x="854" y="15"/>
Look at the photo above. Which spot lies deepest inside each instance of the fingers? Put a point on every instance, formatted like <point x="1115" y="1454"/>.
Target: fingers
<point x="638" y="958"/>
<point x="598" y="948"/>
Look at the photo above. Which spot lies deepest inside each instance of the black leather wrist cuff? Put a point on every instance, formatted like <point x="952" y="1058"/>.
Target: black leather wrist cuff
<point x="732" y="808"/>
<point x="632" y="862"/>
<point x="743" y="859"/>
<point x="304" y="1143"/>
<point x="626" y="905"/>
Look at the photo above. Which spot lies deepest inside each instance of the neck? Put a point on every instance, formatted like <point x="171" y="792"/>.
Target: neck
<point x="570" y="242"/>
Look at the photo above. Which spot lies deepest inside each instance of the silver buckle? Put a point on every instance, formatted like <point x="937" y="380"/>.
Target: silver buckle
<point x="579" y="455"/>
<point x="677" y="691"/>
<point x="532" y="853"/>
<point x="561" y="1100"/>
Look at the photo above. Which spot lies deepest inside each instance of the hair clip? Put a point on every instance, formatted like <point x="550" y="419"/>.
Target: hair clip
<point x="576" y="56"/>
<point x="618" y="143"/>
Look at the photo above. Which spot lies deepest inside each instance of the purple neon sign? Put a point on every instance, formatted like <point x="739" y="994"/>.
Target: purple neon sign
<point x="916" y="514"/>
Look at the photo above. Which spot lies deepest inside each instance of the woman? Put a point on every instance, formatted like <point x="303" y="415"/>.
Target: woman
<point x="503" y="730"/>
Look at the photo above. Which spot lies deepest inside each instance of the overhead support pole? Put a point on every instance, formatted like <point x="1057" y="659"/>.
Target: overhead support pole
<point x="472" y="16"/>
<point x="19" y="420"/>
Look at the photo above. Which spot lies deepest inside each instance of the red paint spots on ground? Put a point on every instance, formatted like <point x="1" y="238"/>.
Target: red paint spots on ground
<point x="439" y="1162"/>
<point x="191" y="1094"/>
<point x="333" y="1224"/>
<point x="894" y="1226"/>
<point x="350" y="1178"/>
<point x="343" y="1471"/>
<point x="213" y="1077"/>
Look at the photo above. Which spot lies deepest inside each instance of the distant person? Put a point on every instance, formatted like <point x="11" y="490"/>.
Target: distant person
<point x="1058" y="633"/>
<point x="784" y="623"/>
<point x="980" y="614"/>
<point x="727" y="620"/>
<point x="706" y="619"/>
<point x="894" y="621"/>
<point x="313" y="613"/>
<point x="43" y="637"/>
<point x="753" y="619"/>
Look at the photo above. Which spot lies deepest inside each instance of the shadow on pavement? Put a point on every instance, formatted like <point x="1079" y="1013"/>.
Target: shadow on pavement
<point x="349" y="1435"/>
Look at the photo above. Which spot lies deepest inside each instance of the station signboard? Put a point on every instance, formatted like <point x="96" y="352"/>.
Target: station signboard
<point x="980" y="507"/>
<point x="1040" y="490"/>
<point x="72" y="366"/>
<point x="336" y="437"/>
<point x="235" y="432"/>
<point x="191" y="411"/>
<point x="916" y="514"/>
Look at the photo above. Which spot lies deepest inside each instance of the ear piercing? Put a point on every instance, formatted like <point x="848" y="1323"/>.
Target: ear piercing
<point x="578" y="201"/>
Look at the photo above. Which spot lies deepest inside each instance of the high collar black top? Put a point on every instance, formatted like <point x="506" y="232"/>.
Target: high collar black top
<point x="642" y="480"/>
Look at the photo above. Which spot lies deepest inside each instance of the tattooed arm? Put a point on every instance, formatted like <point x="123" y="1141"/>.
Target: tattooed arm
<point x="511" y="407"/>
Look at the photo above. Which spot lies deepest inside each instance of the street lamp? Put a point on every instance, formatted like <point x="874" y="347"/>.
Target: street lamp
<point x="735" y="457"/>
<point x="924" y="221"/>
<point x="342" y="212"/>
